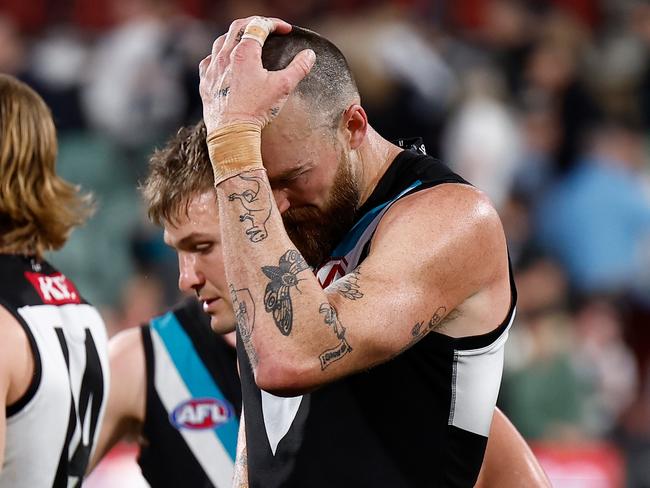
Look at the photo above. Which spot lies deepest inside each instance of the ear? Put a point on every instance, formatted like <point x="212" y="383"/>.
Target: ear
<point x="355" y="124"/>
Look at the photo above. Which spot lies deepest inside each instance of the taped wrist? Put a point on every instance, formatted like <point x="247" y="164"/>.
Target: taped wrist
<point x="234" y="149"/>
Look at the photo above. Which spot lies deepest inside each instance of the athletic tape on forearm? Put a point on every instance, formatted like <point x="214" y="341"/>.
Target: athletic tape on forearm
<point x="235" y="149"/>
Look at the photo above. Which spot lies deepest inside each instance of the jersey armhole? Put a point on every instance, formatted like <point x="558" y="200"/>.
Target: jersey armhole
<point x="18" y="405"/>
<point x="149" y="365"/>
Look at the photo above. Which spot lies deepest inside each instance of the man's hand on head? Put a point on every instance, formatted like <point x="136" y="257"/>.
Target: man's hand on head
<point x="235" y="87"/>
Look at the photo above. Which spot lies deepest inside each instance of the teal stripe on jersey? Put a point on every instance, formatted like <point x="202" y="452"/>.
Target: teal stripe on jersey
<point x="194" y="373"/>
<point x="351" y="239"/>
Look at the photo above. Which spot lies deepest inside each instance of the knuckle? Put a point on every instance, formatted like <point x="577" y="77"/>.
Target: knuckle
<point x="285" y="84"/>
<point x="221" y="59"/>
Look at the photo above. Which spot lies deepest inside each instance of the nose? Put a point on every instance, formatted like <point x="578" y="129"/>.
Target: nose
<point x="189" y="277"/>
<point x="281" y="199"/>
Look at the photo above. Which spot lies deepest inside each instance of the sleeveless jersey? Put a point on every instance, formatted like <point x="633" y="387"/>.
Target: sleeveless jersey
<point x="53" y="428"/>
<point x="418" y="420"/>
<point x="193" y="402"/>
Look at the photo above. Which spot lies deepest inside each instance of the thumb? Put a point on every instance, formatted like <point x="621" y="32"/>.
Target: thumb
<point x="299" y="67"/>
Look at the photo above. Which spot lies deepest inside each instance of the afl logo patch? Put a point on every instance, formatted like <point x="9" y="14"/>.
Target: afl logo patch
<point x="201" y="413"/>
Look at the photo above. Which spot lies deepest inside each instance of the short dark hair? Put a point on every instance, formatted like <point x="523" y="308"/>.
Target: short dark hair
<point x="330" y="85"/>
<point x="177" y="172"/>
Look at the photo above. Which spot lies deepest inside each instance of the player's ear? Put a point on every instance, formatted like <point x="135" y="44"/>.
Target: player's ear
<point x="355" y="124"/>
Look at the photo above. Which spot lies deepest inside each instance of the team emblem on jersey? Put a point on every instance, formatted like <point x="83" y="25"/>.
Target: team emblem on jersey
<point x="54" y="289"/>
<point x="331" y="271"/>
<point x="201" y="413"/>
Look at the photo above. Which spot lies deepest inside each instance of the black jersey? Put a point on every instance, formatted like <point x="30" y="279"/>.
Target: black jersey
<point x="419" y="420"/>
<point x="53" y="428"/>
<point x="193" y="402"/>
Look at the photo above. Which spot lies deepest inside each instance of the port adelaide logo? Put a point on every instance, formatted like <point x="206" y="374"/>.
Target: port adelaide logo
<point x="201" y="413"/>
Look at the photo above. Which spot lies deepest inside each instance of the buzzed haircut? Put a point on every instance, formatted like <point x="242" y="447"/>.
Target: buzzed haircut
<point x="178" y="172"/>
<point x="329" y="87"/>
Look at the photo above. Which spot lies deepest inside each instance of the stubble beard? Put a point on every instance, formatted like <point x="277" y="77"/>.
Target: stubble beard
<point x="316" y="232"/>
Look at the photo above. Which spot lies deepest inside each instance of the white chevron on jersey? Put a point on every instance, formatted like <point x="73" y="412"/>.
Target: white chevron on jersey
<point x="278" y="413"/>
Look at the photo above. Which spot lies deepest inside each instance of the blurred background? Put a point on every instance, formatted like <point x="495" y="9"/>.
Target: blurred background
<point x="545" y="105"/>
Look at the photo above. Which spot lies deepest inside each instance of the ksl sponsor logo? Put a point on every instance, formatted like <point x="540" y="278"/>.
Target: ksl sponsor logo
<point x="54" y="289"/>
<point x="201" y="413"/>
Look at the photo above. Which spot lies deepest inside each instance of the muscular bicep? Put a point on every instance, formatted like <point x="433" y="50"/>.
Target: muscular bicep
<point x="420" y="268"/>
<point x="125" y="409"/>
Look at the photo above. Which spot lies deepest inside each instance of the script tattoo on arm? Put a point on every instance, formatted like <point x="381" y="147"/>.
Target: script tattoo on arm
<point x="256" y="200"/>
<point x="244" y="308"/>
<point x="348" y="286"/>
<point x="423" y="328"/>
<point x="332" y="320"/>
<point x="277" y="296"/>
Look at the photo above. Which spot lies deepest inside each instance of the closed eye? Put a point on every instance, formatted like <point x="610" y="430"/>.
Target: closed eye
<point x="203" y="248"/>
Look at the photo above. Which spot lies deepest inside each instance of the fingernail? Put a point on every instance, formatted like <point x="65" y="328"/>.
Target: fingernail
<point x="311" y="55"/>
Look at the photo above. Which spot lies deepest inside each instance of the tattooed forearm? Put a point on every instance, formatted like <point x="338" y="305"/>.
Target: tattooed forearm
<point x="423" y="328"/>
<point x="348" y="286"/>
<point x="240" y="479"/>
<point x="277" y="296"/>
<point x="255" y="197"/>
<point x="244" y="308"/>
<point x="332" y="320"/>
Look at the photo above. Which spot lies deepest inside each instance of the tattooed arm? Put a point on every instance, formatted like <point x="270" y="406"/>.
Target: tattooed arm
<point x="300" y="336"/>
<point x="240" y="478"/>
<point x="434" y="252"/>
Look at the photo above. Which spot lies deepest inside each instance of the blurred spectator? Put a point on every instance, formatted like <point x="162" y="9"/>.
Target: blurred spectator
<point x="603" y="359"/>
<point x="596" y="221"/>
<point x="483" y="142"/>
<point x="541" y="136"/>
<point x="12" y="48"/>
<point x="135" y="88"/>
<point x="552" y="77"/>
<point x="542" y="392"/>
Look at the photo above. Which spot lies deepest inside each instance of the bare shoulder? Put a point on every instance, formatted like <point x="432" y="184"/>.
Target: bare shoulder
<point x="454" y="217"/>
<point x="14" y="344"/>
<point x="16" y="358"/>
<point x="126" y="353"/>
<point x="10" y="330"/>
<point x="451" y="205"/>
<point x="128" y="372"/>
<point x="448" y="242"/>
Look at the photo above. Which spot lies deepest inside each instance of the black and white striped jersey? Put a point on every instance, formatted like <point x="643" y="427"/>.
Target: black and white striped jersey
<point x="193" y="402"/>
<point x="52" y="429"/>
<point x="419" y="420"/>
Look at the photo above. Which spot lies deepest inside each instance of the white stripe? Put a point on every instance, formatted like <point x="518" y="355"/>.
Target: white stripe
<point x="204" y="444"/>
<point x="476" y="385"/>
<point x="278" y="413"/>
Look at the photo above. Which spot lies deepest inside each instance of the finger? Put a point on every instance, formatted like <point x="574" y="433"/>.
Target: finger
<point x="256" y="32"/>
<point x="232" y="37"/>
<point x="299" y="67"/>
<point x="218" y="44"/>
<point x="203" y="65"/>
